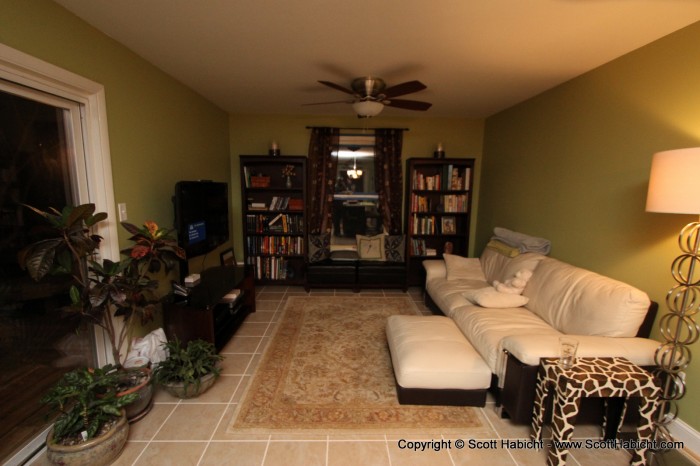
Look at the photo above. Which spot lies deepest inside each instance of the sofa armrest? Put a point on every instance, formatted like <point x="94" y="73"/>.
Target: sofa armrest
<point x="434" y="269"/>
<point x="528" y="349"/>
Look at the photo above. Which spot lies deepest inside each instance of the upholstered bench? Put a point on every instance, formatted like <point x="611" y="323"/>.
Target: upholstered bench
<point x="434" y="364"/>
<point x="372" y="274"/>
<point x="332" y="274"/>
<point x="375" y="262"/>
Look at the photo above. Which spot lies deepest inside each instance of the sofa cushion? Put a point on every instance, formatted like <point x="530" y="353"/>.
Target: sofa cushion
<point x="462" y="268"/>
<point x="491" y="298"/>
<point x="344" y="256"/>
<point x="577" y="301"/>
<point x="528" y="349"/>
<point x="485" y="328"/>
<point x="447" y="295"/>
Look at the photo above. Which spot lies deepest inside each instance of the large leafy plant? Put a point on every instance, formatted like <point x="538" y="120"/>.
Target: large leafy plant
<point x="102" y="289"/>
<point x="86" y="399"/>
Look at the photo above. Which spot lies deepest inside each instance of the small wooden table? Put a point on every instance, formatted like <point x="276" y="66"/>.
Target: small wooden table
<point x="591" y="377"/>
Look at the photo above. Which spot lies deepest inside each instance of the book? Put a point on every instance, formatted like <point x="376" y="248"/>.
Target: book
<point x="274" y="220"/>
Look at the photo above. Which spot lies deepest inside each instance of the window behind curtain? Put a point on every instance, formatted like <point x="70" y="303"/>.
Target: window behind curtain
<point x="355" y="200"/>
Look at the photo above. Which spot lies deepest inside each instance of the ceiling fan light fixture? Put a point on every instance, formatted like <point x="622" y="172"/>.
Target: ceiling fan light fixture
<point x="367" y="108"/>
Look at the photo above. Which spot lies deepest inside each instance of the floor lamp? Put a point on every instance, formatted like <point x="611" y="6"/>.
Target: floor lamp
<point x="674" y="187"/>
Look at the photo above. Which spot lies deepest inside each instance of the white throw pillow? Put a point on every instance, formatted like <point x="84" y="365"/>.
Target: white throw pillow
<point x="489" y="297"/>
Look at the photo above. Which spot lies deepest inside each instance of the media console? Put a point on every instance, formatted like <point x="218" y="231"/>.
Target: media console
<point x="205" y="314"/>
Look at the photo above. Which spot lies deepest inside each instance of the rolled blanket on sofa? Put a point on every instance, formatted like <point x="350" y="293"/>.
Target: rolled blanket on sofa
<point x="524" y="243"/>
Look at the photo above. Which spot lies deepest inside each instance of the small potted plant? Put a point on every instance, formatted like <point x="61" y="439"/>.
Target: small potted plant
<point x="189" y="370"/>
<point x="91" y="427"/>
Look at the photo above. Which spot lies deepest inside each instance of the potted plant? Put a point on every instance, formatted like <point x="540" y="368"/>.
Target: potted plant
<point x="189" y="370"/>
<point x="105" y="290"/>
<point x="91" y="427"/>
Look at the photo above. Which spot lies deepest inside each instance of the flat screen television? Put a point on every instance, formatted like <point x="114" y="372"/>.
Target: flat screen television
<point x="201" y="215"/>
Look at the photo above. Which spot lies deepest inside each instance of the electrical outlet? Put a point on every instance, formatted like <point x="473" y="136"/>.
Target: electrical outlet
<point x="122" y="212"/>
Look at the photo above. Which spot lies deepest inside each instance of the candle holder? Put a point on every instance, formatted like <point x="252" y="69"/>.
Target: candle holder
<point x="274" y="149"/>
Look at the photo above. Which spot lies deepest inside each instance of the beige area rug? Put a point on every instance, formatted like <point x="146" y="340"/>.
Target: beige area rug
<point x="328" y="369"/>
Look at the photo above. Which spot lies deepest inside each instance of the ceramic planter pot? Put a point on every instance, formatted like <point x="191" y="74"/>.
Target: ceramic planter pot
<point x="99" y="451"/>
<point x="143" y="404"/>
<point x="191" y="391"/>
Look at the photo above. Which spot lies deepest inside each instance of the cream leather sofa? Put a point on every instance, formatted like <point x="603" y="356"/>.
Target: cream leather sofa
<point x="608" y="317"/>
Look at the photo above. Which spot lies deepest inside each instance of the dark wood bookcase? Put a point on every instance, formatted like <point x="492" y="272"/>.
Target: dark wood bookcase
<point x="274" y="217"/>
<point x="438" y="210"/>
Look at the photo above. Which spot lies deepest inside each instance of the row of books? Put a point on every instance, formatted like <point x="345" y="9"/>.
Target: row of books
<point x="445" y="203"/>
<point x="269" y="268"/>
<point x="270" y="223"/>
<point x="274" y="245"/>
<point x="423" y="225"/>
<point x="449" y="178"/>
<point x="278" y="203"/>
<point x="418" y="248"/>
<point x="430" y="225"/>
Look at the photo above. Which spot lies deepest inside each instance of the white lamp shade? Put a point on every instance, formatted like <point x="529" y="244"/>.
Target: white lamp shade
<point x="674" y="182"/>
<point x="367" y="108"/>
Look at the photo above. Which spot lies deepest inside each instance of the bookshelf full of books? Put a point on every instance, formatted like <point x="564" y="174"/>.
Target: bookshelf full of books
<point x="438" y="210"/>
<point x="273" y="191"/>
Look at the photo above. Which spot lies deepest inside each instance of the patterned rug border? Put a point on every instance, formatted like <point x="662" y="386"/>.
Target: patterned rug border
<point x="480" y="423"/>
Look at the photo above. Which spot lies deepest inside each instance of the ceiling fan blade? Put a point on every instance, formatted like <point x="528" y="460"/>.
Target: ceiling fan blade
<point x="407" y="104"/>
<point x="333" y="102"/>
<point x="338" y="87"/>
<point x="404" y="88"/>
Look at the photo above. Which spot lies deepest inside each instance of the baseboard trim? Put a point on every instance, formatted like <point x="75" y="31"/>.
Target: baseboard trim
<point x="690" y="437"/>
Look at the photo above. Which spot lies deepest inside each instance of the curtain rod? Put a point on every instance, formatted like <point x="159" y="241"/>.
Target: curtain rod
<point x="314" y="127"/>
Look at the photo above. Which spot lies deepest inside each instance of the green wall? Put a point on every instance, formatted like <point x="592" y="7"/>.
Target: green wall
<point x="159" y="130"/>
<point x="572" y="165"/>
<point x="252" y="135"/>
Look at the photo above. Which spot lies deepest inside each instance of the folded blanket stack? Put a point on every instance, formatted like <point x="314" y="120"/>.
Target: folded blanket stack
<point x="503" y="248"/>
<point x="524" y="243"/>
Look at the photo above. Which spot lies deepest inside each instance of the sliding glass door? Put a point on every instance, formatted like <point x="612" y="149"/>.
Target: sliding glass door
<point x="42" y="163"/>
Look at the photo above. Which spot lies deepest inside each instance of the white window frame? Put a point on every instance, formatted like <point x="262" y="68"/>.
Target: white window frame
<point x="20" y="68"/>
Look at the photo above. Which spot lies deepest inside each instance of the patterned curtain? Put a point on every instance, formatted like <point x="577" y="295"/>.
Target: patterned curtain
<point x="388" y="177"/>
<point x="321" y="182"/>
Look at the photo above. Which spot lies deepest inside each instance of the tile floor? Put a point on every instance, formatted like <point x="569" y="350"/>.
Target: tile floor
<point x="193" y="432"/>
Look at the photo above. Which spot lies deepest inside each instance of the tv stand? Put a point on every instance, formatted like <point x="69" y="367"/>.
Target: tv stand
<point x="202" y="315"/>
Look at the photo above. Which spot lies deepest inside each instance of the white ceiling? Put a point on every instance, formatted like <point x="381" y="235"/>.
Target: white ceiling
<point x="476" y="56"/>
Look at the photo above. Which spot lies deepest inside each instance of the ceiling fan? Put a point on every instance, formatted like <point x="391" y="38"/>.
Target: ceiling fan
<point x="370" y="95"/>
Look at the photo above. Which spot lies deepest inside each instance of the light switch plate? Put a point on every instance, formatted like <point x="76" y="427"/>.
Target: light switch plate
<point x="122" y="212"/>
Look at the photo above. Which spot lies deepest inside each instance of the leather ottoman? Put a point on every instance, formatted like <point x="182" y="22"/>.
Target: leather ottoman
<point x="434" y="364"/>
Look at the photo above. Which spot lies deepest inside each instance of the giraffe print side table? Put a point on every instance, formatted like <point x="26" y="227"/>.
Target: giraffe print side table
<point x="591" y="377"/>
